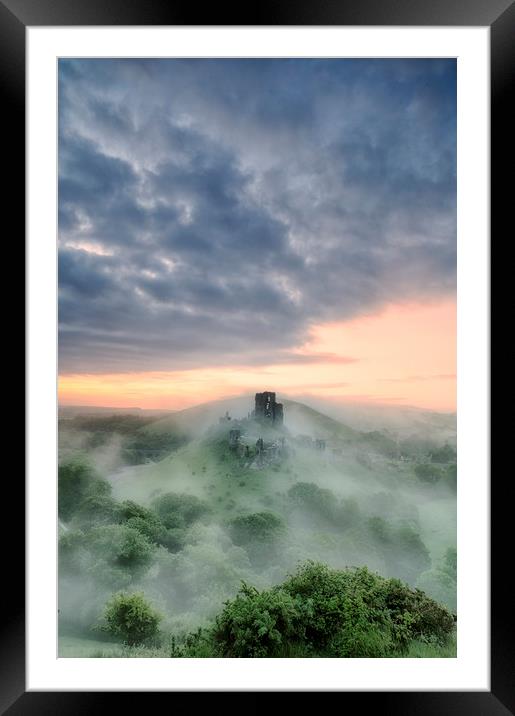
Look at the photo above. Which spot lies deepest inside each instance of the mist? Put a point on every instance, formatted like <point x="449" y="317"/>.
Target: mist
<point x="183" y="507"/>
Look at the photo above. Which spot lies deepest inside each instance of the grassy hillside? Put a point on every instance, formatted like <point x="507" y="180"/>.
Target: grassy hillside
<point x="210" y="510"/>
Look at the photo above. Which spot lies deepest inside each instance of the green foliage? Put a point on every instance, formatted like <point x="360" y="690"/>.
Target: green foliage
<point x="179" y="510"/>
<point x="124" y="545"/>
<point x="410" y="555"/>
<point x="78" y="481"/>
<point x="380" y="443"/>
<point x="340" y="606"/>
<point x="322" y="506"/>
<point x="148" y="523"/>
<point x="440" y="582"/>
<point x="450" y="476"/>
<point x="326" y="612"/>
<point x="257" y="624"/>
<point x="446" y="453"/>
<point x="349" y="512"/>
<point x="129" y="509"/>
<point x="310" y="498"/>
<point x="362" y="640"/>
<point x="131" y="618"/>
<point x="96" y="509"/>
<point x="380" y="529"/>
<point x="112" y="554"/>
<point x="419" y="615"/>
<point x="416" y="446"/>
<point x="145" y="446"/>
<point x="401" y="547"/>
<point x="121" y="424"/>
<point x="450" y="562"/>
<point x="256" y="527"/>
<point x="427" y="472"/>
<point x="70" y="551"/>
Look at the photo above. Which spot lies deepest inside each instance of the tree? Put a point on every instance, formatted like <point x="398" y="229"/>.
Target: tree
<point x="78" y="481"/>
<point x="315" y="500"/>
<point x="427" y="472"/>
<point x="256" y="527"/>
<point x="179" y="510"/>
<point x="319" y="611"/>
<point x="131" y="617"/>
<point x="446" y="453"/>
<point x="117" y="553"/>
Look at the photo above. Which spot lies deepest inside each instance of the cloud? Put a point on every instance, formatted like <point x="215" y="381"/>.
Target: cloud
<point x="212" y="211"/>
<point x="419" y="378"/>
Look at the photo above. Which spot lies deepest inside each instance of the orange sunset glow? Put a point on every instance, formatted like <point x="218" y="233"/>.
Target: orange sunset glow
<point x="404" y="355"/>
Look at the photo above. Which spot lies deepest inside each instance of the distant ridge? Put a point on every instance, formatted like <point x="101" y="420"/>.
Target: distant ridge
<point x="70" y="411"/>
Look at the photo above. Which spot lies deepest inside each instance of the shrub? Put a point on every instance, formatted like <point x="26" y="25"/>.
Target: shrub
<point x="131" y="618"/>
<point x="179" y="510"/>
<point x="440" y="582"/>
<point x="364" y="641"/>
<point x="446" y="453"/>
<point x="320" y="611"/>
<point x="97" y="509"/>
<point x="77" y="481"/>
<point x="427" y="472"/>
<point x="256" y="527"/>
<point x="450" y="476"/>
<point x="438" y="585"/>
<point x="118" y="552"/>
<point x="337" y="601"/>
<point x="70" y="551"/>
<point x="401" y="547"/>
<point x="257" y="624"/>
<point x="380" y="443"/>
<point x="349" y="512"/>
<point x="142" y="519"/>
<point x="409" y="556"/>
<point x="450" y="562"/>
<point x="313" y="499"/>
<point x="427" y="619"/>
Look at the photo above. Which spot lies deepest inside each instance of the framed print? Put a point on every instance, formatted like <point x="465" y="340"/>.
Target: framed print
<point x="258" y="354"/>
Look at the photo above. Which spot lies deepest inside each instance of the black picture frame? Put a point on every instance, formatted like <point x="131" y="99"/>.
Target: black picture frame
<point x="499" y="15"/>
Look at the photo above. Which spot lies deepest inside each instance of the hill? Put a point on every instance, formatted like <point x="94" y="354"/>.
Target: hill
<point x="299" y="418"/>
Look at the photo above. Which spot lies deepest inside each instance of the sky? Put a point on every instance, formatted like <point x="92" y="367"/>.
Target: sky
<point x="228" y="226"/>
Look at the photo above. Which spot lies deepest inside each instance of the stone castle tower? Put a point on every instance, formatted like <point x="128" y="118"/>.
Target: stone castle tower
<point x="267" y="410"/>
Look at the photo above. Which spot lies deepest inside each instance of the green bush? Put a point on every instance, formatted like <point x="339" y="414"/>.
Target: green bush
<point x="310" y="498"/>
<point x="427" y="472"/>
<point x="179" y="510"/>
<point x="440" y="582"/>
<point x="117" y="553"/>
<point x="146" y="445"/>
<point x="380" y="443"/>
<point x="404" y="553"/>
<point x="423" y="618"/>
<point x="150" y="525"/>
<point x="409" y="556"/>
<point x="320" y="611"/>
<point x="96" y="509"/>
<point x="450" y="476"/>
<point x="77" y="481"/>
<point x="446" y="453"/>
<point x="70" y="551"/>
<point x="256" y="527"/>
<point x="349" y="512"/>
<point x="450" y="562"/>
<point x="131" y="618"/>
<point x="337" y="603"/>
<point x="257" y="624"/>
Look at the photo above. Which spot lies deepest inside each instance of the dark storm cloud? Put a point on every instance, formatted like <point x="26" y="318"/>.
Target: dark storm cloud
<point x="210" y="212"/>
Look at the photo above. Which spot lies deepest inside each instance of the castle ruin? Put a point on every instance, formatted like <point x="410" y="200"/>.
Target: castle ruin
<point x="267" y="410"/>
